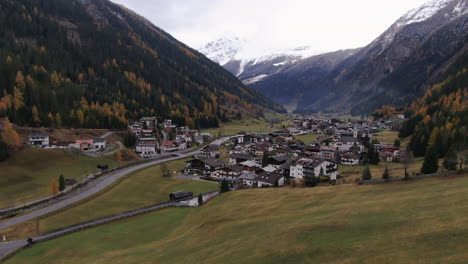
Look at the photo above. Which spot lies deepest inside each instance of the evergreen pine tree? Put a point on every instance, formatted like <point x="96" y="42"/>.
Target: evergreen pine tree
<point x="366" y="174"/>
<point x="3" y="151"/>
<point x="224" y="186"/>
<point x="386" y="174"/>
<point x="430" y="164"/>
<point x="200" y="200"/>
<point x="265" y="159"/>
<point x="450" y="161"/>
<point x="61" y="183"/>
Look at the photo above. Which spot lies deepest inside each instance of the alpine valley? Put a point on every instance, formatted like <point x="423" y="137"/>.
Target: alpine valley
<point x="394" y="69"/>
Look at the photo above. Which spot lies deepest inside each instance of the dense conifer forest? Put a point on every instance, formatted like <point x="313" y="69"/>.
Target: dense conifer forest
<point x="439" y="119"/>
<point x="95" y="64"/>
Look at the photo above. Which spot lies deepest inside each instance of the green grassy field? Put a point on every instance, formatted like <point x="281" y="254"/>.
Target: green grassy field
<point x="26" y="176"/>
<point x="144" y="188"/>
<point x="421" y="221"/>
<point x="250" y="125"/>
<point x="395" y="169"/>
<point x="308" y="138"/>
<point x="386" y="136"/>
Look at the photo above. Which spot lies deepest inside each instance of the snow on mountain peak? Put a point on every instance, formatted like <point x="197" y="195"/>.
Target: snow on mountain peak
<point x="429" y="9"/>
<point x="229" y="49"/>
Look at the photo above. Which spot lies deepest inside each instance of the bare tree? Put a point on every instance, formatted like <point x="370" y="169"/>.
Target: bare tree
<point x="408" y="160"/>
<point x="165" y="170"/>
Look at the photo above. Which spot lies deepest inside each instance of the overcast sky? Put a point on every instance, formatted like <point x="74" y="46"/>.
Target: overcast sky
<point x="326" y="25"/>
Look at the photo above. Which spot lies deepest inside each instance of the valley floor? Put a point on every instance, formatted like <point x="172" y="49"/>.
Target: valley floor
<point x="421" y="221"/>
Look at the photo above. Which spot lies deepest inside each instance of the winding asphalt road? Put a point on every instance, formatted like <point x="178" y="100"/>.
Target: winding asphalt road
<point x="10" y="247"/>
<point x="107" y="181"/>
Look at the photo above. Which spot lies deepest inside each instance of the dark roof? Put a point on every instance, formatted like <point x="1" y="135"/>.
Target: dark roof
<point x="269" y="177"/>
<point x="280" y="158"/>
<point x="180" y="194"/>
<point x="241" y="156"/>
<point x="99" y="140"/>
<point x="312" y="162"/>
<point x="213" y="162"/>
<point x="147" y="143"/>
<point x="349" y="156"/>
<point x="235" y="168"/>
<point x="37" y="134"/>
<point x="349" y="139"/>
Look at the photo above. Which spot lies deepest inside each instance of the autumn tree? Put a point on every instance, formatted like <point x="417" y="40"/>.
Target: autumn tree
<point x="119" y="156"/>
<point x="408" y="161"/>
<point x="9" y="135"/>
<point x="165" y="170"/>
<point x="35" y="116"/>
<point x="58" y="120"/>
<point x="53" y="187"/>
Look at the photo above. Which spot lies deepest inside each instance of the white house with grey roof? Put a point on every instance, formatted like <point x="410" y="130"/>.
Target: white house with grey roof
<point x="39" y="140"/>
<point x="313" y="167"/>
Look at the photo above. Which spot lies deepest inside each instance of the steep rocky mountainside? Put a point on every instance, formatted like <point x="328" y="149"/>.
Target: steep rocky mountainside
<point x="93" y="63"/>
<point x="394" y="69"/>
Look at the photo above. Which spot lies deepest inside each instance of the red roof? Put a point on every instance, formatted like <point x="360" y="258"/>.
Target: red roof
<point x="167" y="143"/>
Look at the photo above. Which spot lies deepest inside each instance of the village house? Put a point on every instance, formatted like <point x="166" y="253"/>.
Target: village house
<point x="238" y="158"/>
<point x="147" y="148"/>
<point x="167" y="124"/>
<point x="230" y="173"/>
<point x="305" y="167"/>
<point x="84" y="144"/>
<point x="39" y="140"/>
<point x="203" y="166"/>
<point x="210" y="151"/>
<point x="269" y="179"/>
<point x="277" y="161"/>
<point x="150" y="123"/>
<point x="99" y="143"/>
<point x="349" y="159"/>
<point x="172" y="146"/>
<point x="250" y="165"/>
<point x="247" y="179"/>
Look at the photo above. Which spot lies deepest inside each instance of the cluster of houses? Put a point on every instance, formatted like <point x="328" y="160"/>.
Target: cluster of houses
<point x="250" y="166"/>
<point x="42" y="140"/>
<point x="346" y="142"/>
<point x="155" y="138"/>
<point x="277" y="158"/>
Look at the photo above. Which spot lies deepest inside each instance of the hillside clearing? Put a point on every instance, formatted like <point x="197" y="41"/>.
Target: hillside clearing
<point x="26" y="176"/>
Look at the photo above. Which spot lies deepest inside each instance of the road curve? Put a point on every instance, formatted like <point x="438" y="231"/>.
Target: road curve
<point x="109" y="179"/>
<point x="10" y="247"/>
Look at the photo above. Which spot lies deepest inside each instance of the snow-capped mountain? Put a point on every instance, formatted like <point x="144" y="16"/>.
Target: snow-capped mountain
<point x="393" y="69"/>
<point x="233" y="54"/>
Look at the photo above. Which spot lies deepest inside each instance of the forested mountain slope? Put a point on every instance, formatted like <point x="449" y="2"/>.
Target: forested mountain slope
<point x="92" y="63"/>
<point x="440" y="118"/>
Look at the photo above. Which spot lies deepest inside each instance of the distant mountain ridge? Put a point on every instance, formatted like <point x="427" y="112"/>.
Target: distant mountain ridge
<point x="394" y="69"/>
<point x="230" y="53"/>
